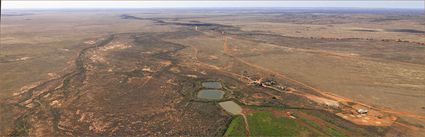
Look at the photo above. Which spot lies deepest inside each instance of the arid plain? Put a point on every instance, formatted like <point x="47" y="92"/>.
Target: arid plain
<point x="305" y="72"/>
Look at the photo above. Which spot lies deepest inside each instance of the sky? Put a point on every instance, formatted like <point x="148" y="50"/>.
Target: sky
<point x="418" y="4"/>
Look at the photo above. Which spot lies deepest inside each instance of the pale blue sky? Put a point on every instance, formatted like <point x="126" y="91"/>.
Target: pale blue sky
<point x="204" y="4"/>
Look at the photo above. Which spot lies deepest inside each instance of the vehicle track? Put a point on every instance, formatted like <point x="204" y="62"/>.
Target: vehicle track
<point x="321" y="92"/>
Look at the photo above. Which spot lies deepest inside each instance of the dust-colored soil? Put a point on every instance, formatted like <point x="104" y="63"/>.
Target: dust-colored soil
<point x="136" y="73"/>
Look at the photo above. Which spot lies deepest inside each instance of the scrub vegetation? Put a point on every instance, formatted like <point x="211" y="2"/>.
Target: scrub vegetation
<point x="139" y="72"/>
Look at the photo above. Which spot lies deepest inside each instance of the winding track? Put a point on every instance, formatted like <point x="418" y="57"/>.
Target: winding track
<point x="80" y="70"/>
<point x="321" y="92"/>
<point x="226" y="50"/>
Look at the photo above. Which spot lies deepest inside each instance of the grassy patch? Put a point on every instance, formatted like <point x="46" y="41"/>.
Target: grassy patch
<point x="265" y="124"/>
<point x="329" y="131"/>
<point x="255" y="107"/>
<point x="311" y="123"/>
<point x="236" y="127"/>
<point x="335" y="133"/>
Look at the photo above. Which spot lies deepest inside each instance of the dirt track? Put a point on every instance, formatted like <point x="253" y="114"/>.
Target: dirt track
<point x="149" y="81"/>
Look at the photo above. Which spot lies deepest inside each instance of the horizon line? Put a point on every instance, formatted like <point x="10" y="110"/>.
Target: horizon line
<point x="324" y="8"/>
<point x="210" y="4"/>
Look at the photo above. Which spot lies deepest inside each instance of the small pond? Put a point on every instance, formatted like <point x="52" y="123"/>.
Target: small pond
<point x="212" y="94"/>
<point x="231" y="107"/>
<point x="212" y="84"/>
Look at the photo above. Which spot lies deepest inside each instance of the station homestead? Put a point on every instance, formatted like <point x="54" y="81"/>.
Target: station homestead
<point x="240" y="72"/>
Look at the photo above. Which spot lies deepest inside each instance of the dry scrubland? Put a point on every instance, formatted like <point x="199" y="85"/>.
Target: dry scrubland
<point x="137" y="72"/>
